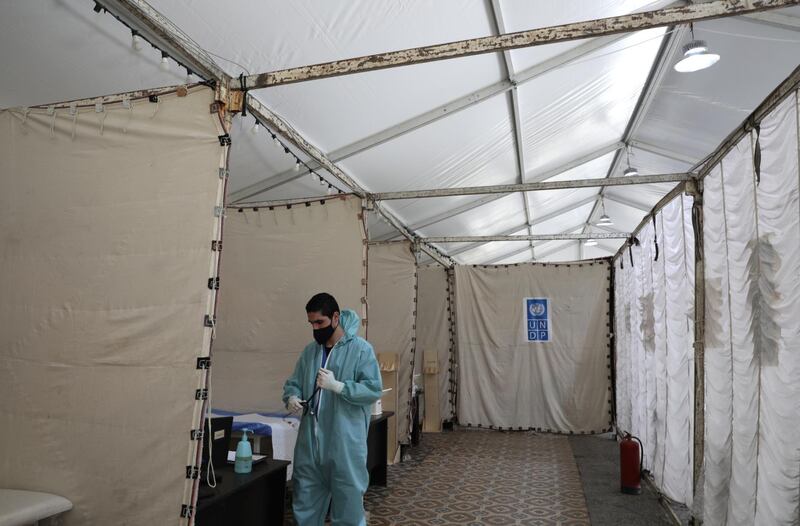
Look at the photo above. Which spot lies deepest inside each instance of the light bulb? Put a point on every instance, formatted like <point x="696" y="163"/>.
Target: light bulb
<point x="630" y="171"/>
<point x="322" y="181"/>
<point x="696" y="57"/>
<point x="136" y="41"/>
<point x="331" y="190"/>
<point x="164" y="66"/>
<point x="275" y="140"/>
<point x="297" y="165"/>
<point x="254" y="129"/>
<point x="188" y="77"/>
<point x="605" y="221"/>
<point x="590" y="243"/>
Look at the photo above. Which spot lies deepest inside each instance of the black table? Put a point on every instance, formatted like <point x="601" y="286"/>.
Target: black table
<point x="258" y="497"/>
<point x="377" y="448"/>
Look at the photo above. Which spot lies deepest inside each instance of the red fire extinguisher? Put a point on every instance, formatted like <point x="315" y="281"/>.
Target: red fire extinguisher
<point x="631" y="457"/>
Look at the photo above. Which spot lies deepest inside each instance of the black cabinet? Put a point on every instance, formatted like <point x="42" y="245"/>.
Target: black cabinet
<point x="255" y="498"/>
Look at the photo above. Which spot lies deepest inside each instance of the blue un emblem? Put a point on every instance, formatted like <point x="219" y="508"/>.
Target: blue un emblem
<point x="537" y="312"/>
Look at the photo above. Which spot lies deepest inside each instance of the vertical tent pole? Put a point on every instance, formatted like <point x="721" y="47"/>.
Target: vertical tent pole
<point x="695" y="189"/>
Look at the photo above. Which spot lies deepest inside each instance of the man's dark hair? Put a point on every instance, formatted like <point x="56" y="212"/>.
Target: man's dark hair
<point x="323" y="303"/>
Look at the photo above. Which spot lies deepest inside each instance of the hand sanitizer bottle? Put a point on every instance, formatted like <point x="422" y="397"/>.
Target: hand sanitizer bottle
<point x="244" y="455"/>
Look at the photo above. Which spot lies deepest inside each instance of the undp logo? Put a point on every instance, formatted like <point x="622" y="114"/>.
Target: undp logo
<point x="537" y="309"/>
<point x="538" y="319"/>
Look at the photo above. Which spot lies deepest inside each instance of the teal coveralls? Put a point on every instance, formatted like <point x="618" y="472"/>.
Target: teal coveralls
<point x="330" y="457"/>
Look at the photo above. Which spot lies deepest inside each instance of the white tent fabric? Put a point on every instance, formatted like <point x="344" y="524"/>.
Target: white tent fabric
<point x="392" y="294"/>
<point x="433" y="328"/>
<point x="752" y="244"/>
<point x="107" y="227"/>
<point x="563" y="120"/>
<point x="654" y="328"/>
<point x="273" y="262"/>
<point x="505" y="381"/>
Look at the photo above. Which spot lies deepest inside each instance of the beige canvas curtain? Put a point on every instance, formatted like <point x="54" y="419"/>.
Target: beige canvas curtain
<point x="108" y="218"/>
<point x="505" y="381"/>
<point x="273" y="262"/>
<point x="392" y="297"/>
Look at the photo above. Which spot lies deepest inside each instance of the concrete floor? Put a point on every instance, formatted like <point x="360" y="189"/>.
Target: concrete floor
<point x="598" y="462"/>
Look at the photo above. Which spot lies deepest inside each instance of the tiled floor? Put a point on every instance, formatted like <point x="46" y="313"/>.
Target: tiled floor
<point x="471" y="477"/>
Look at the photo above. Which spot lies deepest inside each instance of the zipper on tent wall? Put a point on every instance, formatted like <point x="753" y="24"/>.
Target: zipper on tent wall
<point x="364" y="267"/>
<point x="612" y="346"/>
<point x="202" y="394"/>
<point x="416" y="251"/>
<point x="453" y="368"/>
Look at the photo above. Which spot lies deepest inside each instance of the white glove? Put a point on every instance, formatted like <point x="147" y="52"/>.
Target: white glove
<point x="326" y="380"/>
<point x="294" y="405"/>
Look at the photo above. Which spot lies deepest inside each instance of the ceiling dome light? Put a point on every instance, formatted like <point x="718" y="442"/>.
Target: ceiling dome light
<point x="696" y="57"/>
<point x="590" y="243"/>
<point x="605" y="221"/>
<point x="630" y="171"/>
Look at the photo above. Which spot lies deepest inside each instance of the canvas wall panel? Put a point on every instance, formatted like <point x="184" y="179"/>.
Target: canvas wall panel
<point x="392" y="286"/>
<point x="505" y="381"/>
<point x="273" y="262"/>
<point x="108" y="217"/>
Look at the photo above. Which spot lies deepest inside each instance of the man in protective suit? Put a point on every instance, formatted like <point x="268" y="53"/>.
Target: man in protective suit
<point x="334" y="383"/>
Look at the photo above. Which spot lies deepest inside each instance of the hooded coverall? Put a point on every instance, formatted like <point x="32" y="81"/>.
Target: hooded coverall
<point x="330" y="456"/>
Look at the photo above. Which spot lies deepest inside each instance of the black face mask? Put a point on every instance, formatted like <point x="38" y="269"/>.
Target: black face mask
<point x="324" y="334"/>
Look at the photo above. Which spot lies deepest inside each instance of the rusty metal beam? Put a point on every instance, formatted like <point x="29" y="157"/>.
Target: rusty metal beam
<point x="166" y="36"/>
<point x="537" y="221"/>
<point x="532" y="178"/>
<point x="533" y="187"/>
<point x="518" y="251"/>
<point x="286" y="130"/>
<point x="534" y="237"/>
<point x="548" y="35"/>
<point x="431" y="116"/>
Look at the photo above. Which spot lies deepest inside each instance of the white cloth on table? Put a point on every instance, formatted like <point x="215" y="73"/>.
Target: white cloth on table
<point x="18" y="507"/>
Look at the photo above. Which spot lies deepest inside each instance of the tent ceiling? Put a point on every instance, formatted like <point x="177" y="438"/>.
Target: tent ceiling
<point x="56" y="50"/>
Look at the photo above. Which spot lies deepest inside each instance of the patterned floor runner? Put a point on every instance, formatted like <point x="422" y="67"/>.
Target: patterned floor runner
<point x="472" y="477"/>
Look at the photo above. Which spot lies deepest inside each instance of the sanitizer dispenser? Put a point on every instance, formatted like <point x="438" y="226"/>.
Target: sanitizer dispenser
<point x="244" y="455"/>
